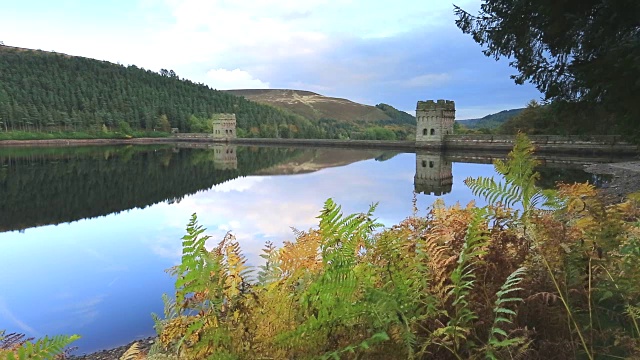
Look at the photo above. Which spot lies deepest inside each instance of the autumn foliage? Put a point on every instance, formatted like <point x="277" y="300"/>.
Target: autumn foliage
<point x="535" y="275"/>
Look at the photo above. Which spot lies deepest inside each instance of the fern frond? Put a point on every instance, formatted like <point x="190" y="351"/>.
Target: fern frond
<point x="463" y="278"/>
<point x="45" y="348"/>
<point x="132" y="353"/>
<point x="502" y="315"/>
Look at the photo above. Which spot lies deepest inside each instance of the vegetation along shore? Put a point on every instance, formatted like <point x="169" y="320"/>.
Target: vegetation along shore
<point x="535" y="274"/>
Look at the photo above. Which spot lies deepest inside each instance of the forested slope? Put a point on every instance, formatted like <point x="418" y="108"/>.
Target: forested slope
<point x="43" y="91"/>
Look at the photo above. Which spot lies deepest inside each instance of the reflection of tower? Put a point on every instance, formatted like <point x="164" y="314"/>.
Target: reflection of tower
<point x="433" y="174"/>
<point x="434" y="121"/>
<point x="224" y="157"/>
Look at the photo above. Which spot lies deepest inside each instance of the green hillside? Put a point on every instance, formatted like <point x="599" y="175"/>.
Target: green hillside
<point x="491" y="121"/>
<point x="397" y="116"/>
<point x="46" y="92"/>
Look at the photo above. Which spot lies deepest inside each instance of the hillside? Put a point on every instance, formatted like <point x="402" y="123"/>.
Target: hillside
<point x="397" y="116"/>
<point x="490" y="121"/>
<point x="45" y="91"/>
<point x="337" y="117"/>
<point x="314" y="106"/>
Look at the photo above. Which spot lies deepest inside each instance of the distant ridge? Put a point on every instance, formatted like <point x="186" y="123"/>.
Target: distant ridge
<point x="314" y="106"/>
<point x="491" y="121"/>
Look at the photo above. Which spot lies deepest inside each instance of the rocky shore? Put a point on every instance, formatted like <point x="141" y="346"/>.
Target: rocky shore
<point x="115" y="353"/>
<point x="626" y="179"/>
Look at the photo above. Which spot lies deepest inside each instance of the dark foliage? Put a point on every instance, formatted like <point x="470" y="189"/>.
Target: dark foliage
<point x="490" y="121"/>
<point x="577" y="51"/>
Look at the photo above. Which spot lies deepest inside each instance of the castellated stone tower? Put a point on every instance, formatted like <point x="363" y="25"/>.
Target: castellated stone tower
<point x="434" y="121"/>
<point x="433" y="174"/>
<point x="224" y="126"/>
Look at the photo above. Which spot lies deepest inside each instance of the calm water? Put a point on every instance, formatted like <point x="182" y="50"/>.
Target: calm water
<point x="87" y="233"/>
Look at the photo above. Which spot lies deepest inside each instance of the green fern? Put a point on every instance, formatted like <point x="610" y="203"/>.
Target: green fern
<point x="45" y="348"/>
<point x="519" y="186"/>
<point x="462" y="281"/>
<point x="330" y="300"/>
<point x="270" y="271"/>
<point x="503" y="314"/>
<point x="194" y="270"/>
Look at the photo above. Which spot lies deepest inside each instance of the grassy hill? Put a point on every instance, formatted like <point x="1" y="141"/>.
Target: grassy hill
<point x="336" y="116"/>
<point x="314" y="106"/>
<point x="490" y="121"/>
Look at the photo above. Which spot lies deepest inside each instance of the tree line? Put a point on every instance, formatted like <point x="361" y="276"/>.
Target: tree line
<point x="47" y="92"/>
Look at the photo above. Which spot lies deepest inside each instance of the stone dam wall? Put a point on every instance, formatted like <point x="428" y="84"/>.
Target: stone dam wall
<point x="579" y="145"/>
<point x="544" y="143"/>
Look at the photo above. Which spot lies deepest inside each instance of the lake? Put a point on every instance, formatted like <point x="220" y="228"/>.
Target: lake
<point x="87" y="233"/>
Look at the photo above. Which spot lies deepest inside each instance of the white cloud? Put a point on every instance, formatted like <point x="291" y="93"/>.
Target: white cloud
<point x="427" y="80"/>
<point x="223" y="79"/>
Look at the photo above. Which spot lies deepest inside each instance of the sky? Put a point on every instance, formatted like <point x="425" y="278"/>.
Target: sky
<point x="367" y="51"/>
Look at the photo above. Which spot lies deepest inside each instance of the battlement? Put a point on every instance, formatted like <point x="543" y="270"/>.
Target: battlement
<point x="436" y="105"/>
<point x="223" y="116"/>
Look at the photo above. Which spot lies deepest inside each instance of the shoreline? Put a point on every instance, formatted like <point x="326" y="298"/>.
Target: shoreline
<point x="625" y="179"/>
<point x="567" y="145"/>
<point x="83" y="142"/>
<point x="116" y="352"/>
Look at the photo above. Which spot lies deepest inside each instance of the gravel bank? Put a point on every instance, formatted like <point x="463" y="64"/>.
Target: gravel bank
<point x="626" y="179"/>
<point x="115" y="353"/>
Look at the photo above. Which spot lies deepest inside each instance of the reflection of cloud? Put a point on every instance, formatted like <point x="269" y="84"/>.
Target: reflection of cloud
<point x="255" y="214"/>
<point x="9" y="315"/>
<point x="85" y="311"/>
<point x="167" y="248"/>
<point x="63" y="295"/>
<point x="238" y="184"/>
<point x="108" y="264"/>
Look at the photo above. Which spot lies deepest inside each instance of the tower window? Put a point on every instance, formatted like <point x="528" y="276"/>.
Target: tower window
<point x="424" y="163"/>
<point x="430" y="164"/>
<point x="424" y="132"/>
<point x="433" y="131"/>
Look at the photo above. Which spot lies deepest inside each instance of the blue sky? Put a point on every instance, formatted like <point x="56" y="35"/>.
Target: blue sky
<point x="367" y="51"/>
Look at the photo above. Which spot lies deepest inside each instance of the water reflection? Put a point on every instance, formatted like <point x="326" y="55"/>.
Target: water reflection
<point x="433" y="174"/>
<point x="225" y="157"/>
<point x="100" y="225"/>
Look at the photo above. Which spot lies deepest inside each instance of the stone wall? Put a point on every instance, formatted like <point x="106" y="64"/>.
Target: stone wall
<point x="543" y="143"/>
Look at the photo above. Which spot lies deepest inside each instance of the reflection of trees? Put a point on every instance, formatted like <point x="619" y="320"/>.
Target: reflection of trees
<point x="53" y="185"/>
<point x="549" y="176"/>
